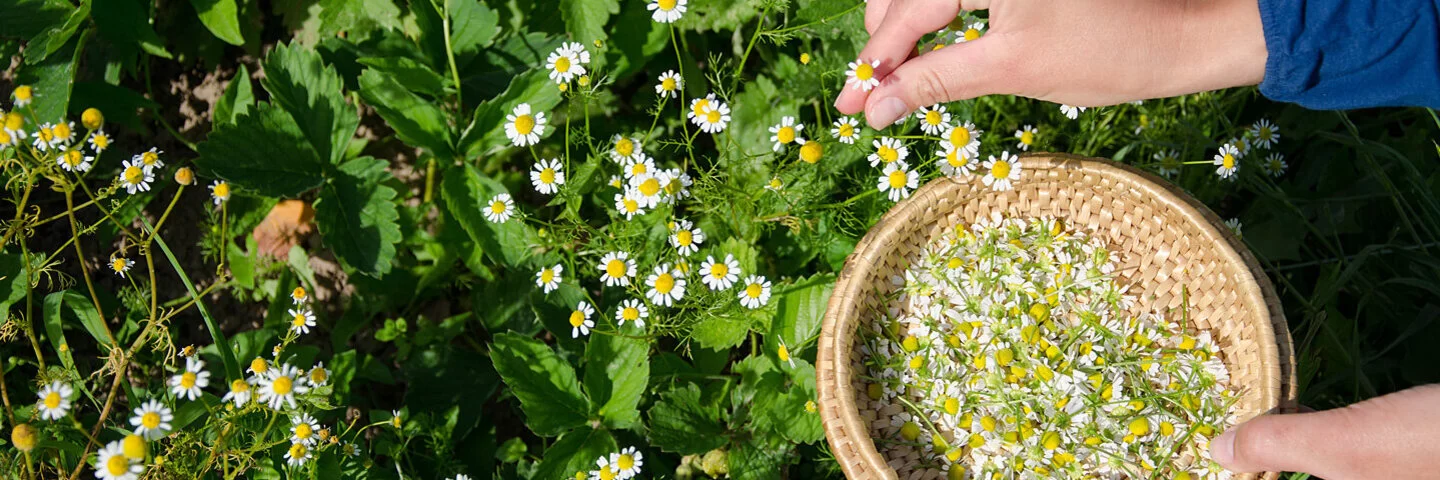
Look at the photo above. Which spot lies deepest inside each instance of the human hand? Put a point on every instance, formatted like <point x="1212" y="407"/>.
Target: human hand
<point x="1394" y="436"/>
<point x="1082" y="53"/>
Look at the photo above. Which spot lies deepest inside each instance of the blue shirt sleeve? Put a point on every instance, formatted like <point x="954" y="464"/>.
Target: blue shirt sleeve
<point x="1341" y="54"/>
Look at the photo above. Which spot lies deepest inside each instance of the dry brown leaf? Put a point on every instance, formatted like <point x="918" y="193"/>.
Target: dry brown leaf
<point x="286" y="225"/>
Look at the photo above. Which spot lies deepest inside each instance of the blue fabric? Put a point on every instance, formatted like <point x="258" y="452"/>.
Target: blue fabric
<point x="1339" y="54"/>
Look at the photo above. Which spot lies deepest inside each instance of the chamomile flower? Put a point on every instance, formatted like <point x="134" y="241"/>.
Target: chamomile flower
<point x="666" y="286"/>
<point x="624" y="149"/>
<point x="564" y="64"/>
<point x="301" y="320"/>
<point x="632" y="310"/>
<point x="43" y="138"/>
<point x="1002" y="172"/>
<point x="280" y="388"/>
<point x="811" y="151"/>
<point x="1071" y="112"/>
<point x="677" y="184"/>
<point x="259" y="367"/>
<point x="783" y="353"/>
<point x="548" y="279"/>
<point x="1265" y="133"/>
<point x="14" y="124"/>
<point x="971" y="33"/>
<point x="888" y="150"/>
<point x="92" y="118"/>
<point x="150" y="159"/>
<point x="580" y="322"/>
<point x="135" y="177"/>
<point x="298" y="295"/>
<point x="318" y="376"/>
<point x="523" y="127"/>
<point x="547" y="176"/>
<point x="955" y="162"/>
<point x="220" y="191"/>
<point x="604" y="469"/>
<point x="666" y="11"/>
<point x="897" y="180"/>
<point x="628" y="461"/>
<point x="756" y="292"/>
<point x="73" y="160"/>
<point x="785" y="133"/>
<point x="500" y="208"/>
<point x="640" y="165"/>
<point x="717" y="117"/>
<point x="1025" y="137"/>
<point x="240" y="393"/>
<point x="1234" y="225"/>
<point x="1227" y="161"/>
<point x="669" y="85"/>
<point x="54" y="400"/>
<point x="188" y="383"/>
<point x="121" y="265"/>
<point x="933" y="119"/>
<point x="298" y="454"/>
<point x="616" y="269"/>
<point x="303" y="428"/>
<point x="1167" y="163"/>
<point x="649" y="186"/>
<point x="112" y="464"/>
<point x="152" y="420"/>
<point x="846" y="130"/>
<point x="775" y="184"/>
<point x="686" y="237"/>
<point x="1275" y="165"/>
<point x="861" y="75"/>
<point x="698" y="107"/>
<point x="23" y="95"/>
<point x="62" y="133"/>
<point x="6" y="139"/>
<point x="630" y="203"/>
<point x="719" y="275"/>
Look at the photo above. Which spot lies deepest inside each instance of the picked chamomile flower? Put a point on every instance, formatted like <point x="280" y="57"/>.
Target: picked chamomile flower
<point x="547" y="176"/>
<point x="298" y="454"/>
<point x="112" y="464"/>
<point x="279" y="389"/>
<point x="628" y="461"/>
<point x="933" y="119"/>
<point x="897" y="180"/>
<point x="121" y="265"/>
<point x="54" y="400"/>
<point x="785" y="133"/>
<point x="188" y="383"/>
<point x="523" y="127"/>
<point x="1002" y="173"/>
<point x="624" y="149"/>
<point x="1227" y="161"/>
<point x="1234" y="225"/>
<point x="564" y="63"/>
<point x="667" y="286"/>
<point x="649" y="186"/>
<point x="318" y="376"/>
<point x="640" y="165"/>
<point x="548" y="278"/>
<point x="971" y="33"/>
<point x="220" y="192"/>
<point x="630" y="203"/>
<point x="888" y="150"/>
<point x="1071" y="112"/>
<point x="955" y="162"/>
<point x="500" y="208"/>
<point x="1167" y="163"/>
<point x="719" y="275"/>
<point x="240" y="393"/>
<point x="1025" y="137"/>
<point x="686" y="237"/>
<point x="1275" y="165"/>
<point x="152" y="420"/>
<point x="1266" y="134"/>
<point x="632" y="310"/>
<point x="846" y="130"/>
<point x="698" y="107"/>
<point x="150" y="159"/>
<point x="23" y="95"/>
<point x="666" y="11"/>
<point x="669" y="85"/>
<point x="73" y="160"/>
<point x="616" y="269"/>
<point x="580" y="322"/>
<point x="811" y="151"/>
<point x="303" y="428"/>
<point x="135" y="177"/>
<point x="755" y="292"/>
<point x="301" y="320"/>
<point x="717" y="117"/>
<point x="861" y="75"/>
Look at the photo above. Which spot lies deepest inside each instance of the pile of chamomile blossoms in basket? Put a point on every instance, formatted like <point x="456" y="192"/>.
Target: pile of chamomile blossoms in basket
<point x="1011" y="349"/>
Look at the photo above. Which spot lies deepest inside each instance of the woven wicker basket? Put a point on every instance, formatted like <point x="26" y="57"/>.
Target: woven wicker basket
<point x="1166" y="240"/>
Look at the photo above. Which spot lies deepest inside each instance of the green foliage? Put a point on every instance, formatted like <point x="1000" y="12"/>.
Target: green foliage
<point x="222" y="17"/>
<point x="616" y="372"/>
<point x="264" y="152"/>
<point x="356" y="215"/>
<point x="681" y="423"/>
<point x="300" y="82"/>
<point x="546" y="385"/>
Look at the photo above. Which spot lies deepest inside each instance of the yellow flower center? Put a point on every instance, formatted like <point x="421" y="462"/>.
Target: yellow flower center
<point x="700" y="107"/>
<point x="664" y="283"/>
<point x="134" y="175"/>
<point x="775" y="183"/>
<point x="222" y="191"/>
<point x="299" y="320"/>
<point x="932" y="117"/>
<point x="52" y="400"/>
<point x="804" y="59"/>
<point x="783" y="353"/>
<point x="650" y="186"/>
<point x="971" y="34"/>
<point x="562" y="64"/>
<point x="258" y="365"/>
<point x="847" y="131"/>
<point x="666" y="5"/>
<point x="319" y="375"/>
<point x="303" y="431"/>
<point x="73" y="157"/>
<point x="608" y="473"/>
<point x="4" y="138"/>
<point x="283" y="385"/>
<point x="1001" y="169"/>
<point x="497" y="207"/>
<point x="910" y="431"/>
<point x="61" y="131"/>
<point x="117" y="264"/>
<point x="577" y="318"/>
<point x="955" y="159"/>
<point x="631" y="206"/>
<point x="713" y="116"/>
<point x="524" y="124"/>
<point x="133" y="447"/>
<point x="668" y="84"/>
<point x="626" y="147"/>
<point x="754" y="290"/>
<point x="627" y="461"/>
<point x="638" y="169"/>
<point x="117" y="465"/>
<point x="1027" y="137"/>
<point x="92" y="118"/>
<point x="150" y="420"/>
<point x="897" y="179"/>
<point x="23" y="93"/>
<point x="719" y="270"/>
<point x="547" y="176"/>
<point x="811" y="152"/>
<point x="960" y="137"/>
<point x="298" y="450"/>
<point x="298" y="293"/>
<point x="1050" y="440"/>
<point x="952" y="406"/>
<point x="684" y="237"/>
<point x="1139" y="427"/>
<point x="547" y="275"/>
<point x="187" y="380"/>
<point x="239" y="386"/>
<point x="630" y="314"/>
<point x="786" y="134"/>
<point x="615" y="269"/>
<point x="45" y="134"/>
<point x="1228" y="161"/>
<point x="864" y="71"/>
<point x="149" y="158"/>
<point x="1265" y="133"/>
<point x="887" y="153"/>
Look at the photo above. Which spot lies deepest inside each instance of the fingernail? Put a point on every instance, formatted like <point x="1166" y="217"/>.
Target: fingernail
<point x="887" y="111"/>
<point x="1222" y="448"/>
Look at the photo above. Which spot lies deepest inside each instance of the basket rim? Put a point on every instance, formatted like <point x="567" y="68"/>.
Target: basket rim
<point x="846" y="433"/>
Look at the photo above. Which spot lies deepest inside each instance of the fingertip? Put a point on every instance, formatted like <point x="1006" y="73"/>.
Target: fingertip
<point x="850" y="101"/>
<point x="1222" y="449"/>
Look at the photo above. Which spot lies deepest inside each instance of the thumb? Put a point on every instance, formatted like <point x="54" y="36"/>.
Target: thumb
<point x="1290" y="442"/>
<point x="956" y="72"/>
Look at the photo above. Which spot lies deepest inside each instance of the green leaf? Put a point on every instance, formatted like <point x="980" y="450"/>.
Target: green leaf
<point x="760" y="458"/>
<point x="81" y="309"/>
<point x="616" y="371"/>
<point x="633" y="46"/>
<point x="52" y="80"/>
<point x="222" y="17"/>
<point x="121" y="105"/>
<point x="13" y="281"/>
<point x="472" y="25"/>
<point x="416" y="121"/>
<point x="546" y="385"/>
<point x="300" y="82"/>
<point x="357" y="18"/>
<point x="227" y="355"/>
<point x="263" y="151"/>
<point x="357" y="217"/>
<point x="487" y="128"/>
<point x="237" y="100"/>
<point x="50" y="40"/>
<point x="576" y="451"/>
<point x="784" y="412"/>
<point x="413" y="75"/>
<point x="800" y="310"/>
<point x="466" y="192"/>
<point x="680" y="423"/>
<point x="27" y="18"/>
<point x="586" y="18"/>
<point x="723" y="330"/>
<point x="127" y="24"/>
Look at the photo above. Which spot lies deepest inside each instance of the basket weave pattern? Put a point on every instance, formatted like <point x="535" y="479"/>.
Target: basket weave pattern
<point x="1171" y="250"/>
